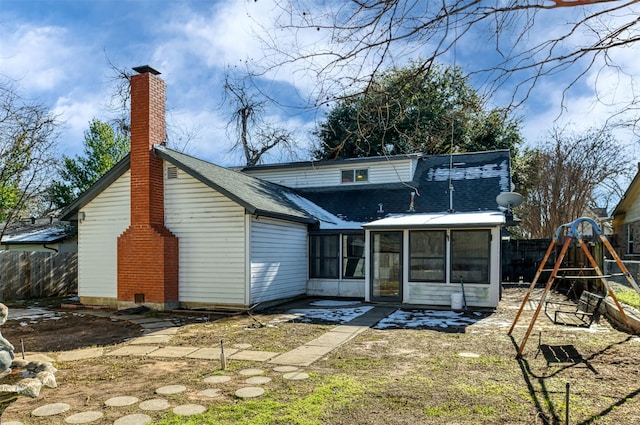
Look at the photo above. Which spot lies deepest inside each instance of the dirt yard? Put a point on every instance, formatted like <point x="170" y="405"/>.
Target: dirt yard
<point x="385" y="376"/>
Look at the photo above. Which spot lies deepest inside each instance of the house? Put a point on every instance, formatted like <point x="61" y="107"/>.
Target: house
<point x="40" y="235"/>
<point x="626" y="221"/>
<point x="169" y="230"/>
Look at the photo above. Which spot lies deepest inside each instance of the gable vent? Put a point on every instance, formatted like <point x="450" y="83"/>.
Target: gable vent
<point x="172" y="173"/>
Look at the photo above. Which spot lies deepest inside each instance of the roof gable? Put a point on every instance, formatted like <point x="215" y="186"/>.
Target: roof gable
<point x="257" y="196"/>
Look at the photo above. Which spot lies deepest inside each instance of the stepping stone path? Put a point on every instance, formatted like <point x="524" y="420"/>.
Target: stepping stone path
<point x="258" y="380"/>
<point x="154" y="404"/>
<point x="156" y="332"/>
<point x="250" y="392"/>
<point x="217" y="379"/>
<point x="51" y="409"/>
<point x="171" y="389"/>
<point x="254" y="378"/>
<point x="84" y="417"/>
<point x="135" y="419"/>
<point x="189" y="409"/>
<point x="251" y="372"/>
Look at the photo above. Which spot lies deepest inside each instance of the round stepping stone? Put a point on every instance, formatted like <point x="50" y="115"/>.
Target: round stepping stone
<point x="154" y="404"/>
<point x="285" y="369"/>
<point x="12" y="423"/>
<point x="249" y="392"/>
<point x="251" y="372"/>
<point x="469" y="355"/>
<point x="135" y="419"/>
<point x="211" y="393"/>
<point x="296" y="376"/>
<point x="258" y="380"/>
<point x="121" y="401"/>
<point x="171" y="389"/>
<point x="242" y="346"/>
<point x="51" y="409"/>
<point x="217" y="379"/>
<point x="189" y="409"/>
<point x="84" y="417"/>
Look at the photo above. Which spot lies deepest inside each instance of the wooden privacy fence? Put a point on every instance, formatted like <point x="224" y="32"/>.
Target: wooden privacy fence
<point x="26" y="275"/>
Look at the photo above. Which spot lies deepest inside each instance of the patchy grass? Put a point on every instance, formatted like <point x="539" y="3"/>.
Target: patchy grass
<point x="283" y="406"/>
<point x="628" y="296"/>
<point x="391" y="377"/>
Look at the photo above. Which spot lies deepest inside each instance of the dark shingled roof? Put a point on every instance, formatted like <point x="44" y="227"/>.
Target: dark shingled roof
<point x="477" y="179"/>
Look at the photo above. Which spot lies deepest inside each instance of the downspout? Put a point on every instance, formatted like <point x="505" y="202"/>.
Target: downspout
<point x="44" y="245"/>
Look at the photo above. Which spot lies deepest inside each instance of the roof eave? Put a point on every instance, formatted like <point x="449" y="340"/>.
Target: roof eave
<point x="287" y="217"/>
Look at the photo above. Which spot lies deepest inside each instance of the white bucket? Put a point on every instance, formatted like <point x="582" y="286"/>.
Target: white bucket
<point x="456" y="301"/>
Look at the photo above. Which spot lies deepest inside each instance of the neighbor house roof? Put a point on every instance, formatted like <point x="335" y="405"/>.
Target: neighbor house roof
<point x="47" y="234"/>
<point x="476" y="177"/>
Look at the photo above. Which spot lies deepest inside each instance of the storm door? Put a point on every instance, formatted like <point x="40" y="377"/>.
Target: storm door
<point x="386" y="266"/>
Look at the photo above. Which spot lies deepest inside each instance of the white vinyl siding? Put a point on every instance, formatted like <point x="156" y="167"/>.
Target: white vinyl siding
<point x="211" y="233"/>
<point x="105" y="218"/>
<point x="633" y="213"/>
<point x="382" y="171"/>
<point x="352" y="288"/>
<point x="278" y="259"/>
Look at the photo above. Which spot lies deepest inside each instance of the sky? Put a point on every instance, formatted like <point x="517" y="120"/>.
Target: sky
<point x="57" y="52"/>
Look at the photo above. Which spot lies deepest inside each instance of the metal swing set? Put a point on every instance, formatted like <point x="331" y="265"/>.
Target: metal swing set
<point x="573" y="235"/>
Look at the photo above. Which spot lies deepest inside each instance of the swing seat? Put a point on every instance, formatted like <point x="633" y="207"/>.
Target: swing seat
<point x="569" y="314"/>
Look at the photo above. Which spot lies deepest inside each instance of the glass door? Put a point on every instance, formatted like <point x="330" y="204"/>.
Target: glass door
<point x="386" y="266"/>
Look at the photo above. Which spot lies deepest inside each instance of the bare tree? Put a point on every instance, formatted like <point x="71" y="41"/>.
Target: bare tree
<point x="28" y="133"/>
<point x="347" y="44"/>
<point x="567" y="176"/>
<point x="255" y="135"/>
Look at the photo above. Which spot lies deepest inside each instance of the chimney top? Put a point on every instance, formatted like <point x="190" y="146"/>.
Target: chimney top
<point x="144" y="69"/>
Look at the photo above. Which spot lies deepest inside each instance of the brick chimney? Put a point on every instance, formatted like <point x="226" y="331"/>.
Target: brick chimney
<point x="147" y="250"/>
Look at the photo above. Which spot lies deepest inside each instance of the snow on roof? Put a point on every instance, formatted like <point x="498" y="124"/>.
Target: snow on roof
<point x="466" y="219"/>
<point x="40" y="235"/>
<point x="326" y="219"/>
<point x="460" y="171"/>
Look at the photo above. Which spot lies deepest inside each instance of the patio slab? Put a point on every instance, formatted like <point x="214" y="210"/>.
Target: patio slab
<point x="332" y="339"/>
<point x="85" y="353"/>
<point x="152" y="339"/>
<point x="302" y="356"/>
<point x="210" y="353"/>
<point x="258" y="356"/>
<point x="173" y="352"/>
<point x="134" y="350"/>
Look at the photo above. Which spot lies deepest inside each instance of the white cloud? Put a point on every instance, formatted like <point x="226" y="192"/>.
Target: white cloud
<point x="39" y="58"/>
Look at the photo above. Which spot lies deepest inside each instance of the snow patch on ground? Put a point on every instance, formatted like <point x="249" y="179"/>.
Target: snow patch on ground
<point x="333" y="315"/>
<point x="424" y="319"/>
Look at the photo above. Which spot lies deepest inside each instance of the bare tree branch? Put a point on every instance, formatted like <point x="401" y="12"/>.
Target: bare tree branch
<point x="345" y="45"/>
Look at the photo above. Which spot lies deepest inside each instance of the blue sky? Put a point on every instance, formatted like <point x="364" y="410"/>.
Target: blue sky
<point x="57" y="52"/>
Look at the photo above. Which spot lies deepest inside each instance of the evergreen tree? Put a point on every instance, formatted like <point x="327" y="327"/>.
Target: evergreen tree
<point x="103" y="148"/>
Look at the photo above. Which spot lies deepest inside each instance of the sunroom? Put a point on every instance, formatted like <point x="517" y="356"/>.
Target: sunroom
<point x="425" y="258"/>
